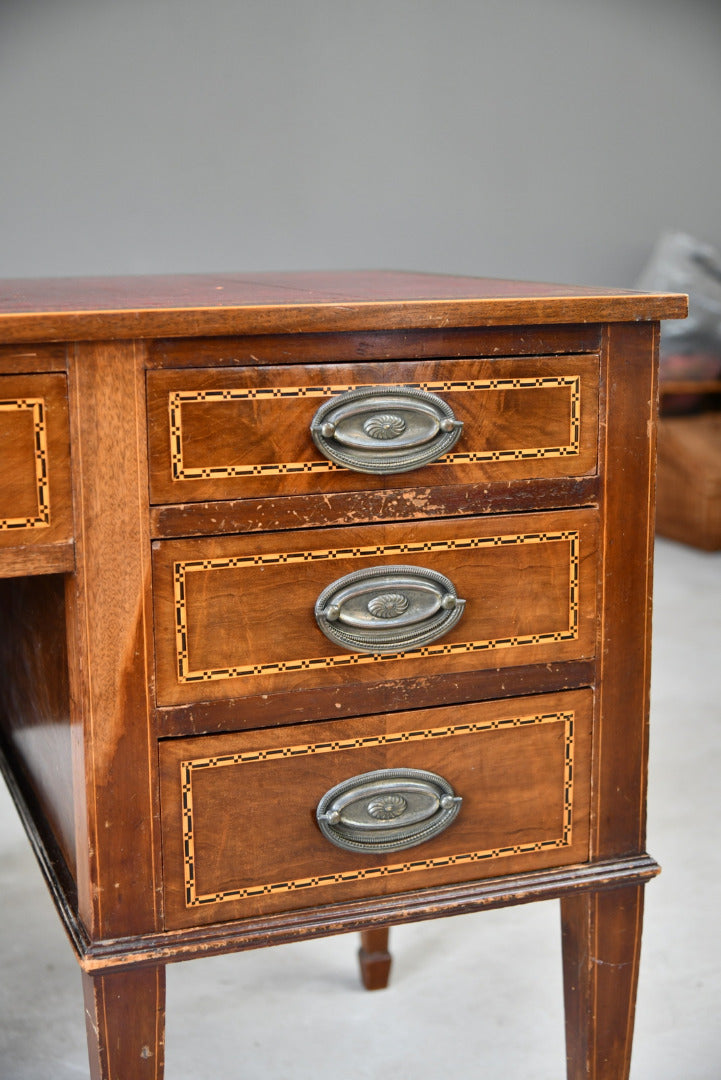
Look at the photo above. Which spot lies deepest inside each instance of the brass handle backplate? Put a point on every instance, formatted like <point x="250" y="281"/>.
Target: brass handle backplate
<point x="385" y="429"/>
<point x="387" y="810"/>
<point x="388" y="609"/>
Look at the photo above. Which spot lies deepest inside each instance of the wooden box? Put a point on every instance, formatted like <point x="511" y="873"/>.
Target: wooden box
<point x="689" y="480"/>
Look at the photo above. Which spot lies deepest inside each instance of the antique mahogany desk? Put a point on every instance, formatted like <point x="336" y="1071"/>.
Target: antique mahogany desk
<point x="325" y="606"/>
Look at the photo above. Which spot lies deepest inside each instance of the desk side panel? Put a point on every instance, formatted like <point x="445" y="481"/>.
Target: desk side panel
<point x="627" y="510"/>
<point x="34" y="702"/>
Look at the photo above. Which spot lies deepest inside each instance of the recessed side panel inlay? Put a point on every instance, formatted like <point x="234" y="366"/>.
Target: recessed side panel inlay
<point x="35" y="495"/>
<point x="22" y="422"/>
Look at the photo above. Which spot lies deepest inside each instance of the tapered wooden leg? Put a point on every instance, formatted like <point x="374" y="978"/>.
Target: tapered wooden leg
<point x="375" y="960"/>
<point x="601" y="946"/>
<point x="125" y="1019"/>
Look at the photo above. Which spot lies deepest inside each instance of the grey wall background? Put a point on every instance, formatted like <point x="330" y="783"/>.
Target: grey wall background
<point x="526" y="138"/>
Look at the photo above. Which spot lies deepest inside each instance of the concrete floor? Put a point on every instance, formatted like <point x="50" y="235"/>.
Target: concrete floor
<point x="475" y="996"/>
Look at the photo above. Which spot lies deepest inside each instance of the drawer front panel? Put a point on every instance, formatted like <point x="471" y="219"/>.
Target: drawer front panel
<point x="35" y="499"/>
<point x="240" y="834"/>
<point x="245" y="432"/>
<point x="235" y="615"/>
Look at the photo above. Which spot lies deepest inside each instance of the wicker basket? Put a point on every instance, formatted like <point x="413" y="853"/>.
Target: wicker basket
<point x="689" y="480"/>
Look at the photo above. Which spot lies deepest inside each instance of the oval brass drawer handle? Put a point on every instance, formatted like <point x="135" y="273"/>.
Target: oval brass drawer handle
<point x="387" y="810"/>
<point x="388" y="609"/>
<point x="385" y="429"/>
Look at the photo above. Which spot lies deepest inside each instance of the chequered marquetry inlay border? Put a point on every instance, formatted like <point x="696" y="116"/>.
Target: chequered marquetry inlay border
<point x="181" y="570"/>
<point x="264" y="393"/>
<point x="36" y="406"/>
<point x="187" y="768"/>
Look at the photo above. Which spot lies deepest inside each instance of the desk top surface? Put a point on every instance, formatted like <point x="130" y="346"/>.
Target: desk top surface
<point x="299" y="302"/>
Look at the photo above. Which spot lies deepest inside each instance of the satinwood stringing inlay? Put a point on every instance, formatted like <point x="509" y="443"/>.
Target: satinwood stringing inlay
<point x="36" y="408"/>
<point x="179" y="398"/>
<point x="186" y="673"/>
<point x="194" y="897"/>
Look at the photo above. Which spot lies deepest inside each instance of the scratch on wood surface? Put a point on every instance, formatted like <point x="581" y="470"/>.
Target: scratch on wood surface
<point x="608" y="964"/>
<point x="91" y="1022"/>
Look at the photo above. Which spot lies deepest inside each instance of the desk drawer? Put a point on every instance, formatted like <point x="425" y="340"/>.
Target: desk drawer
<point x="35" y="498"/>
<point x="246" y="432"/>
<point x="241" y="838"/>
<point x="235" y="615"/>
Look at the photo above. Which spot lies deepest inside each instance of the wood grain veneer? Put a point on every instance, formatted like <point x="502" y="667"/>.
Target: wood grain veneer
<point x="184" y="305"/>
<point x="217" y="434"/>
<point x="235" y="615"/>
<point x="224" y="796"/>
